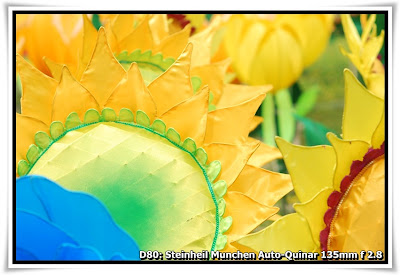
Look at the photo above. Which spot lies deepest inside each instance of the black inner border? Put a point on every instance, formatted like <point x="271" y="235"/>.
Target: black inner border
<point x="320" y="262"/>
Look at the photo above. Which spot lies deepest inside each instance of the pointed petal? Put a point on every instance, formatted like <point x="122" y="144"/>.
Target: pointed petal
<point x="88" y="45"/>
<point x="232" y="124"/>
<point x="133" y="94"/>
<point x="174" y="85"/>
<point x="71" y="97"/>
<point x="313" y="211"/>
<point x="183" y="116"/>
<point x="362" y="110"/>
<point x="236" y="94"/>
<point x="173" y="45"/>
<point x="288" y="233"/>
<point x="238" y="206"/>
<point x="351" y="33"/>
<point x="103" y="72"/>
<point x="122" y="25"/>
<point x="202" y="44"/>
<point x="37" y="91"/>
<point x="159" y="27"/>
<point x="54" y="68"/>
<point x="233" y="158"/>
<point x="311" y="168"/>
<point x="213" y="76"/>
<point x="26" y="128"/>
<point x="139" y="38"/>
<point x="257" y="120"/>
<point x="379" y="135"/>
<point x="346" y="153"/>
<point x="264" y="154"/>
<point x="261" y="185"/>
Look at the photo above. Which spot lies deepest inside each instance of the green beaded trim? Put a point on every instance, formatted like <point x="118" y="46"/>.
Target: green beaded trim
<point x="210" y="171"/>
<point x="147" y="57"/>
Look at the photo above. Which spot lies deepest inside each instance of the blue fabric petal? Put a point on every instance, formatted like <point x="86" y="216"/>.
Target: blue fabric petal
<point x="69" y="252"/>
<point x="38" y="237"/>
<point x="23" y="255"/>
<point x="80" y="215"/>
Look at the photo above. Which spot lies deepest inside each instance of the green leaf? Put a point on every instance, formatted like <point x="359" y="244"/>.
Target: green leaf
<point x="286" y="121"/>
<point x="196" y="83"/>
<point x="96" y="21"/>
<point x="314" y="132"/>
<point x="268" y="125"/>
<point x="307" y="101"/>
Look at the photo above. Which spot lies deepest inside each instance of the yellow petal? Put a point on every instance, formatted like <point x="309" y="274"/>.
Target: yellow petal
<point x="122" y="25"/>
<point x="37" y="91"/>
<point x="346" y="153"/>
<point x="202" y="44"/>
<point x="174" y="85"/>
<point x="133" y="94"/>
<point x="232" y="124"/>
<point x="159" y="27"/>
<point x="233" y="158"/>
<point x="55" y="68"/>
<point x="139" y="38"/>
<point x="213" y="76"/>
<point x="264" y="154"/>
<point x="270" y="67"/>
<point x="351" y="33"/>
<point x="362" y="110"/>
<point x="261" y="185"/>
<point x="173" y="45"/>
<point x="311" y="168"/>
<point x="26" y="128"/>
<point x="257" y="120"/>
<point x="236" y="94"/>
<point x="238" y="206"/>
<point x="376" y="84"/>
<point x="178" y="118"/>
<point x="89" y="42"/>
<point x="288" y="233"/>
<point x="379" y="135"/>
<point x="314" y="210"/>
<point x="103" y="72"/>
<point x="71" y="97"/>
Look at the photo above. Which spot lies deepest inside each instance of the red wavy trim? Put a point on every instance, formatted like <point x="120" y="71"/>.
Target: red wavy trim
<point x="181" y="20"/>
<point x="333" y="200"/>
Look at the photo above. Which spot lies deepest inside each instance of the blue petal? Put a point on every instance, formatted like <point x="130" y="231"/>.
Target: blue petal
<point x="38" y="237"/>
<point x="81" y="215"/>
<point x="23" y="255"/>
<point x="69" y="252"/>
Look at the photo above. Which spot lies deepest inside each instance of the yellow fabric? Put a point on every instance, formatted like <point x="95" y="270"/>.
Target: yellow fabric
<point x="60" y="42"/>
<point x="172" y="45"/>
<point x="37" y="91"/>
<point x="55" y="68"/>
<point x="233" y="130"/>
<point x="360" y="221"/>
<point x="103" y="71"/>
<point x="362" y="110"/>
<point x="290" y="232"/>
<point x="264" y="154"/>
<point x="313" y="211"/>
<point x="238" y="206"/>
<point x="263" y="186"/>
<point x="133" y="94"/>
<point x="159" y="27"/>
<point x="346" y="153"/>
<point x="177" y="78"/>
<point x="69" y="89"/>
<point x="26" y="128"/>
<point x="88" y="44"/>
<point x="197" y="107"/>
<point x="364" y="51"/>
<point x="379" y="135"/>
<point x="257" y="120"/>
<point x="233" y="158"/>
<point x="235" y="94"/>
<point x="310" y="176"/>
<point x="213" y="76"/>
<point x="131" y="41"/>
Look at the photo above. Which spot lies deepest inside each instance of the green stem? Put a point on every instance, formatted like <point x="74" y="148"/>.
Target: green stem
<point x="268" y="126"/>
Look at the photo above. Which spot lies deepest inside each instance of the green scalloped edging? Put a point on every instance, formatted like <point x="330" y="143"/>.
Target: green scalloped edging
<point x="158" y="127"/>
